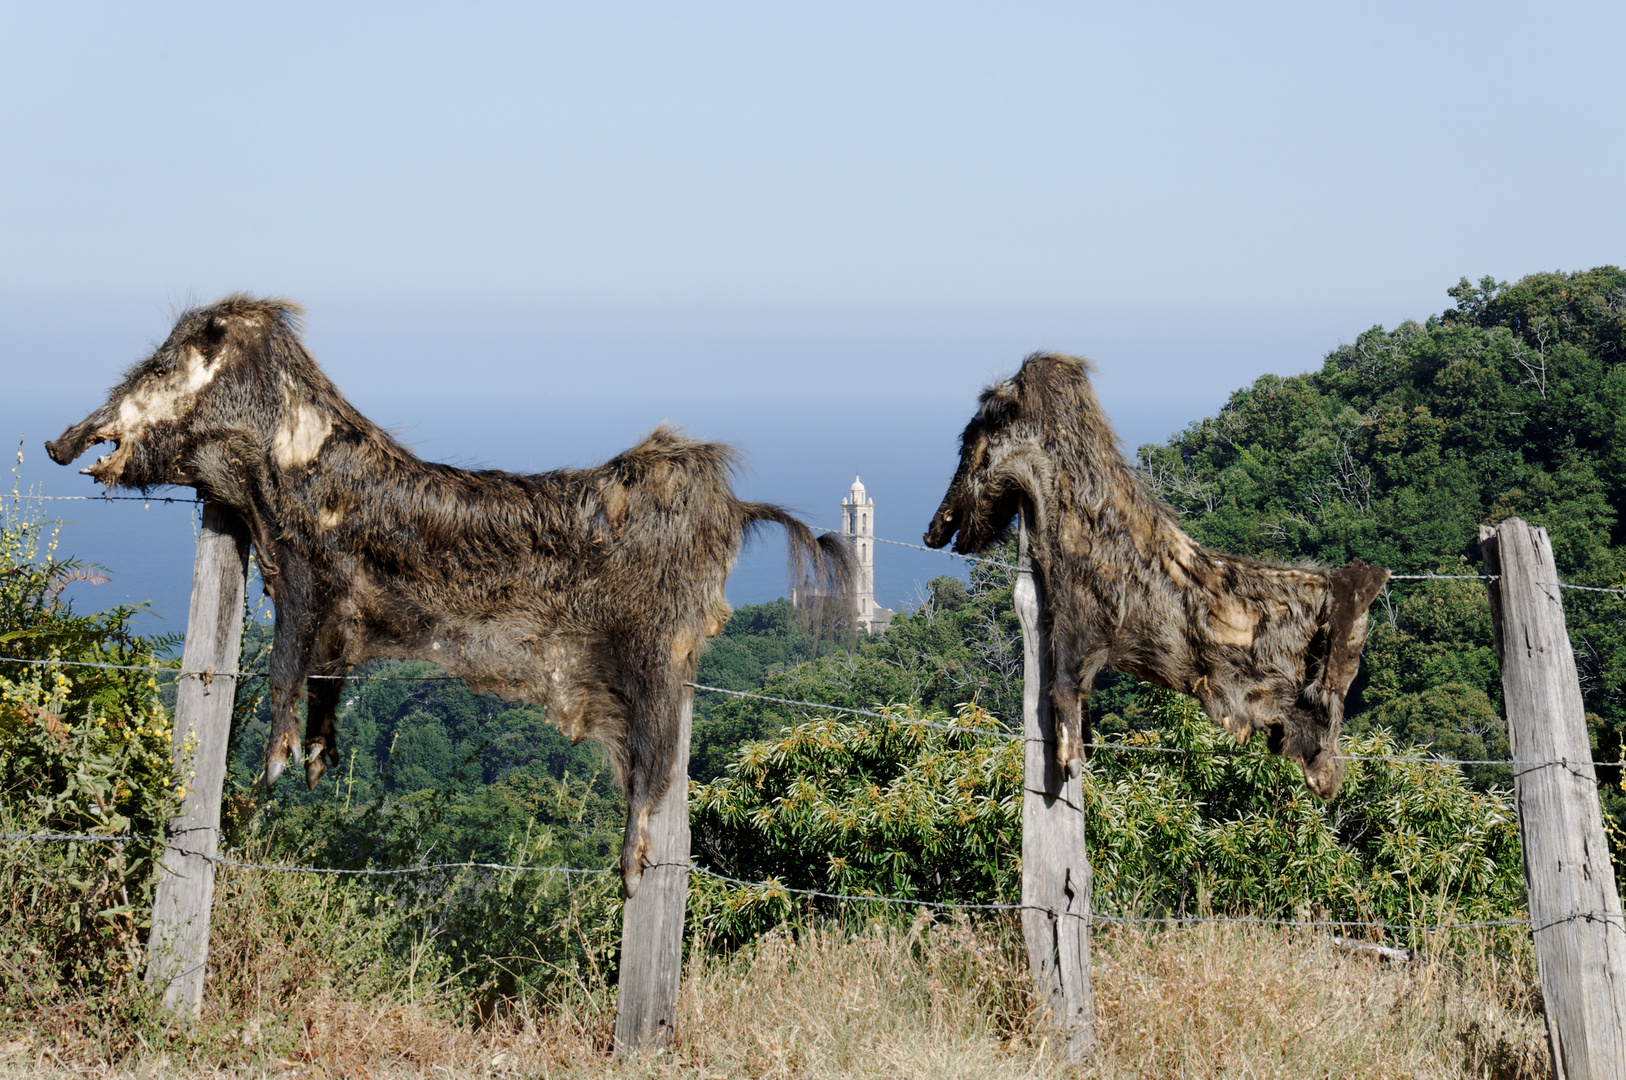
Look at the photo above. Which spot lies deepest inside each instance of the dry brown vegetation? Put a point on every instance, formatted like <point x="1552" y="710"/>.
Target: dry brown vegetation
<point x="297" y="991"/>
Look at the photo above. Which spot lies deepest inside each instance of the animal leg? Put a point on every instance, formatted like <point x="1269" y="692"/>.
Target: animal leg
<point x="652" y="753"/>
<point x="636" y="845"/>
<point x="321" y="740"/>
<point x="290" y="659"/>
<point x="283" y="745"/>
<point x="1071" y="681"/>
<point x="1066" y="707"/>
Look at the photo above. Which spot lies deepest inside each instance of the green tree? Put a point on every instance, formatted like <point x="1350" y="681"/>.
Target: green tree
<point x="960" y="645"/>
<point x="1400" y="447"/>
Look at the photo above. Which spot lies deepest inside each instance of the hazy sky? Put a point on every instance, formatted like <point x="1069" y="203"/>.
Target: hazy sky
<point x="1062" y="175"/>
<point x="527" y="231"/>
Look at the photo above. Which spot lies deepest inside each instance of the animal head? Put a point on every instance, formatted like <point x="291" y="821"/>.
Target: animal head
<point x="1008" y="451"/>
<point x="222" y="367"/>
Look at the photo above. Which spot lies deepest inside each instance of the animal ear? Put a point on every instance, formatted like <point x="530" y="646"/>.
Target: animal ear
<point x="214" y="332"/>
<point x="1000" y="405"/>
<point x="1353" y="590"/>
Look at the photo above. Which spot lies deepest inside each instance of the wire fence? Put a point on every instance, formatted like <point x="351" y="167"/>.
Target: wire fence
<point x="772" y="887"/>
<point x="171" y="500"/>
<point x="162" y="500"/>
<point x="891" y="717"/>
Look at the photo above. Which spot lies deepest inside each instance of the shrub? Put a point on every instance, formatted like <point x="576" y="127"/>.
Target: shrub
<point x="880" y="807"/>
<point x="83" y="751"/>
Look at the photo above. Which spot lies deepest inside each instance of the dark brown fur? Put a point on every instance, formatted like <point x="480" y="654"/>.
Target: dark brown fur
<point x="1262" y="647"/>
<point x="588" y="591"/>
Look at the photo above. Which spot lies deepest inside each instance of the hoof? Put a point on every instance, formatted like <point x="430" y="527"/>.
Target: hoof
<point x="277" y="759"/>
<point x="317" y="759"/>
<point x="1072" y="768"/>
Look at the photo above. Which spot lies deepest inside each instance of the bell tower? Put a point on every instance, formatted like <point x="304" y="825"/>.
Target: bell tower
<point x="858" y="523"/>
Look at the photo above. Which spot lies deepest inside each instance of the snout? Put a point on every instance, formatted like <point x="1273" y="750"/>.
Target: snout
<point x="941" y="530"/>
<point x="109" y="468"/>
<point x="1312" y="740"/>
<point x="1317" y="754"/>
<point x="953" y="516"/>
<point x="73" y="442"/>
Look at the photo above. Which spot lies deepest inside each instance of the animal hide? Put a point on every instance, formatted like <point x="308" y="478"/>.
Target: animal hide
<point x="1263" y="647"/>
<point x="588" y="591"/>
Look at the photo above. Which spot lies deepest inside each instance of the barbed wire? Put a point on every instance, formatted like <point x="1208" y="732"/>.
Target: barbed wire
<point x="113" y="667"/>
<point x="198" y="501"/>
<point x="1233" y="752"/>
<point x="920" y="547"/>
<point x="1444" y="577"/>
<point x="210" y="675"/>
<point x="1583" y="588"/>
<point x="95" y="838"/>
<point x="822" y="706"/>
<point x="367" y="871"/>
<point x="213" y="674"/>
<point x="772" y="887"/>
<point x="149" y="499"/>
<point x="958" y="728"/>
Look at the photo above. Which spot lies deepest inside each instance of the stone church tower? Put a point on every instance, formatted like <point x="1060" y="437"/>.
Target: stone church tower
<point x="858" y="522"/>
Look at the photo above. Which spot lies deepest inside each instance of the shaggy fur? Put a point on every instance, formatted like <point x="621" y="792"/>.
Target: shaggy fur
<point x="588" y="591"/>
<point x="1262" y="647"/>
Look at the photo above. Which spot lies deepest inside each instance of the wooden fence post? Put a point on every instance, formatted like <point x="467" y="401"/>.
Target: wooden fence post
<point x="1056" y="874"/>
<point x="1575" y="912"/>
<point x="178" y="947"/>
<point x="652" y="920"/>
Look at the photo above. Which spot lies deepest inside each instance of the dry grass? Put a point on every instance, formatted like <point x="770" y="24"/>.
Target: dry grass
<point x="939" y="1000"/>
<point x="1227" y="1001"/>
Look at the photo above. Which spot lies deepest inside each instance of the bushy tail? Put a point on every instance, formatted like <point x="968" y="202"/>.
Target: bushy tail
<point x="821" y="565"/>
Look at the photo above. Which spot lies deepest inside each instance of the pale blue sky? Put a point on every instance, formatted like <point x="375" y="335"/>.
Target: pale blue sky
<point x="525" y="232"/>
<point x="1067" y="174"/>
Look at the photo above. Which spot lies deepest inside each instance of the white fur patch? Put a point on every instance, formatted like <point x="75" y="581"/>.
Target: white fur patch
<point x="300" y="435"/>
<point x="199" y="372"/>
<point x="1232" y="624"/>
<point x="157" y="400"/>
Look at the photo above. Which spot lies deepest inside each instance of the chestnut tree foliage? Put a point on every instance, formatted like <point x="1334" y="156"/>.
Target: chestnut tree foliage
<point x="880" y="807"/>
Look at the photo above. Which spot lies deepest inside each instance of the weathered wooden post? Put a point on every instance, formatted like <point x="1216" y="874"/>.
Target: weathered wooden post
<point x="652" y="920"/>
<point x="1575" y="912"/>
<point x="1056" y="875"/>
<point x="178" y="947"/>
